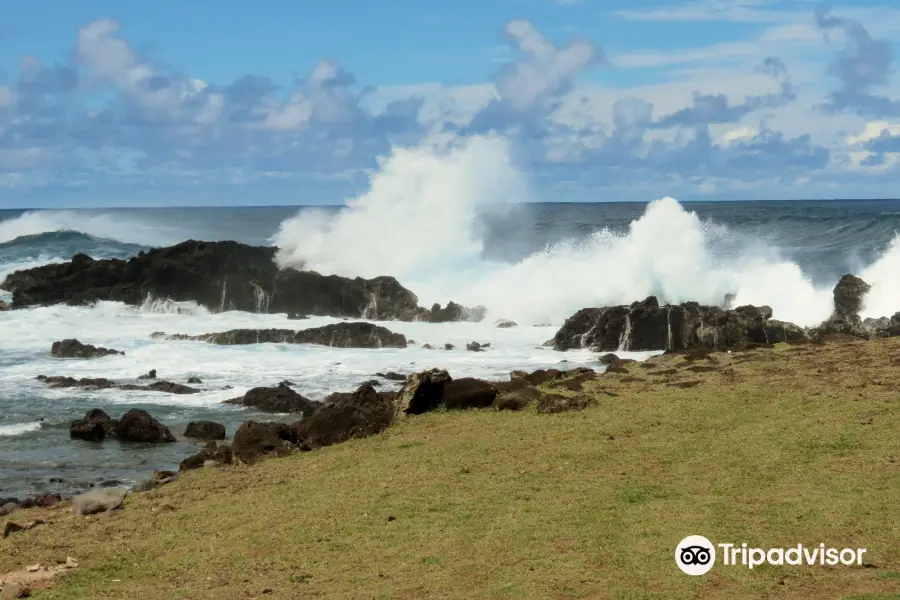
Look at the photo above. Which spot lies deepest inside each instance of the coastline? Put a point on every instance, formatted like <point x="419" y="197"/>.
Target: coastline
<point x="669" y="445"/>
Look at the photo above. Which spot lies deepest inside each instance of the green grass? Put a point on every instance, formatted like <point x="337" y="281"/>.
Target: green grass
<point x="773" y="448"/>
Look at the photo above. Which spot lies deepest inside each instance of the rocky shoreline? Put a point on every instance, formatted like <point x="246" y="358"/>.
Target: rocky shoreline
<point x="231" y="276"/>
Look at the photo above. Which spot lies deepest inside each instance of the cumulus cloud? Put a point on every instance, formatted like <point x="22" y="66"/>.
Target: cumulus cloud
<point x="862" y="65"/>
<point x="110" y="115"/>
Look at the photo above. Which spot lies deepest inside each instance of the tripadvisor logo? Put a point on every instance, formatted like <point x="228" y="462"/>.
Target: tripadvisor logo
<point x="696" y="555"/>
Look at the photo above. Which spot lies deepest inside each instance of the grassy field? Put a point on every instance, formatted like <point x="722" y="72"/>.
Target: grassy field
<point x="773" y="447"/>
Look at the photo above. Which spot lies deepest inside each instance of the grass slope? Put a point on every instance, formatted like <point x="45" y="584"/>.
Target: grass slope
<point x="797" y="444"/>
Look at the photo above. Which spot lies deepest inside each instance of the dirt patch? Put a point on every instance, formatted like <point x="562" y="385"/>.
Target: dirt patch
<point x="35" y="577"/>
<point x="701" y="369"/>
<point x="685" y="384"/>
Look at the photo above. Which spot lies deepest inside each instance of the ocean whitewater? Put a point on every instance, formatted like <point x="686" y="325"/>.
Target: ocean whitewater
<point x="449" y="226"/>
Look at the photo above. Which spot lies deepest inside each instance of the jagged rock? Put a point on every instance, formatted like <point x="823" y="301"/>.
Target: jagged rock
<point x="101" y="383"/>
<point x="150" y="375"/>
<point x="646" y="325"/>
<point x="422" y="392"/>
<point x="884" y="326"/>
<point x="137" y="425"/>
<point x="205" y="430"/>
<point x="98" y="501"/>
<point x="849" y="297"/>
<point x="280" y="399"/>
<point x="455" y="312"/>
<point x="363" y="413"/>
<point x="220" y="455"/>
<point x="449" y="346"/>
<point x="216" y="275"/>
<point x="94" y="427"/>
<point x="255" y="441"/>
<point x="468" y="392"/>
<point x="72" y="348"/>
<point x="339" y="335"/>
<point x="476" y="347"/>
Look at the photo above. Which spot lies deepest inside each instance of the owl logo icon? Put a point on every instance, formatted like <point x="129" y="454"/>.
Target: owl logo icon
<point x="695" y="555"/>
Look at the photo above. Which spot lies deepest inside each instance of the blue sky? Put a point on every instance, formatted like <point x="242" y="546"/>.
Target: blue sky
<point x="120" y="104"/>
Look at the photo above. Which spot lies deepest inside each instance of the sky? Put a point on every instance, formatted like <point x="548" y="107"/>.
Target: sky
<point x="108" y="103"/>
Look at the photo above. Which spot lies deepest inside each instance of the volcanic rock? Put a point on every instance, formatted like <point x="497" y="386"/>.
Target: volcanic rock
<point x="363" y="413"/>
<point x="205" y="430"/>
<point x="339" y="335"/>
<point x="216" y="275"/>
<point x="279" y="399"/>
<point x="137" y="425"/>
<point x="72" y="348"/>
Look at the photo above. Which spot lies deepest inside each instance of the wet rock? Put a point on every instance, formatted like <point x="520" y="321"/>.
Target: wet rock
<point x="455" y="312"/>
<point x="338" y="335"/>
<point x="98" y="501"/>
<point x="219" y="276"/>
<point x="137" y="425"/>
<point x="94" y="427"/>
<point x="164" y="386"/>
<point x="205" y="430"/>
<point x="194" y="380"/>
<point x="296" y="317"/>
<point x="280" y="399"/>
<point x="507" y="324"/>
<point x="476" y="347"/>
<point x="254" y="441"/>
<point x="646" y="325"/>
<point x="422" y="392"/>
<point x="449" y="346"/>
<point x="363" y="413"/>
<point x="460" y="394"/>
<point x="150" y="375"/>
<point x="219" y="455"/>
<point x="72" y="348"/>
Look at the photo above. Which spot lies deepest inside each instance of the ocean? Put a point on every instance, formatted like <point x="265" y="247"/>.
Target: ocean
<point x="533" y="263"/>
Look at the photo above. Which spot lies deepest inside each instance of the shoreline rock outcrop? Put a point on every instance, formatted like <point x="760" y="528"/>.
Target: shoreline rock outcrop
<point x="338" y="335"/>
<point x="72" y="348"/>
<point x="102" y="383"/>
<point x="646" y="326"/>
<point x="221" y="276"/>
<point x="136" y="425"/>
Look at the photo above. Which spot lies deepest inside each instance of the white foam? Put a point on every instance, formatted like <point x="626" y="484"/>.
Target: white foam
<point x="18" y="429"/>
<point x="317" y="370"/>
<point x="418" y="222"/>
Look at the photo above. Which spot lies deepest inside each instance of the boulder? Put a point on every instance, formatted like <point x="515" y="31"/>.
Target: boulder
<point x="72" y="348"/>
<point x="468" y="392"/>
<point x="339" y="335"/>
<point x="391" y="376"/>
<point x="205" y="430"/>
<point x="137" y="425"/>
<point x="219" y="276"/>
<point x="150" y="375"/>
<point x="363" y="413"/>
<point x="476" y="347"/>
<point x="279" y="399"/>
<point x="194" y="380"/>
<point x="99" y="501"/>
<point x="94" y="427"/>
<point x="101" y="383"/>
<point x="455" y="312"/>
<point x="422" y="392"/>
<point x="507" y="324"/>
<point x="254" y="441"/>
<point x="220" y="455"/>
